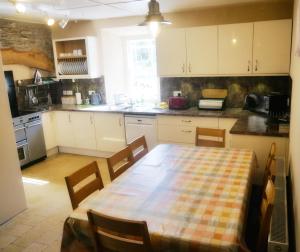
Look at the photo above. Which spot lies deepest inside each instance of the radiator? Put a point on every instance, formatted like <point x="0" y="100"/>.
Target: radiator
<point x="278" y="237"/>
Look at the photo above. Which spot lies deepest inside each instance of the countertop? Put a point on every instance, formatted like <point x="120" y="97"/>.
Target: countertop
<point x="248" y="123"/>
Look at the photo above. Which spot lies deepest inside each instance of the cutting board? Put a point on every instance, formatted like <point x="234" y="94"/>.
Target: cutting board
<point x="214" y="93"/>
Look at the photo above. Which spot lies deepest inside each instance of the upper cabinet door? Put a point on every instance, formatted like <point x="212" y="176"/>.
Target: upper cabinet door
<point x="272" y="46"/>
<point x="235" y="49"/>
<point x="202" y="50"/>
<point x="171" y="52"/>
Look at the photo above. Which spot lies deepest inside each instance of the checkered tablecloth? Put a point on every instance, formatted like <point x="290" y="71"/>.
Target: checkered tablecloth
<point x="193" y="198"/>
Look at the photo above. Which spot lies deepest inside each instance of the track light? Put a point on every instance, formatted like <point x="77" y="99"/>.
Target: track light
<point x="63" y="23"/>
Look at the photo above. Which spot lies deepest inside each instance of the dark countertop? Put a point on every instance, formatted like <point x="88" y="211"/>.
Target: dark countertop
<point x="248" y="123"/>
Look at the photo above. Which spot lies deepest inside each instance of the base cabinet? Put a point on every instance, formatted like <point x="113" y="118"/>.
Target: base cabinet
<point x="64" y="129"/>
<point x="48" y="120"/>
<point x="227" y="124"/>
<point x="110" y="132"/>
<point x="182" y="129"/>
<point x="261" y="146"/>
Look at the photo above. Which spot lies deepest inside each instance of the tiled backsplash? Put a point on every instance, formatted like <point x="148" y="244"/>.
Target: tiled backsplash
<point x="238" y="87"/>
<point x="84" y="85"/>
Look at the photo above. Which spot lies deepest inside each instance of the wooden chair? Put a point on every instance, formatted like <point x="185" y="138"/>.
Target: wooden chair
<point x="271" y="156"/>
<point x="138" y="148"/>
<point x="261" y="227"/>
<point x="270" y="172"/>
<point x="114" y="234"/>
<point x="265" y="215"/>
<point x="119" y="162"/>
<point x="87" y="189"/>
<point x="216" y="133"/>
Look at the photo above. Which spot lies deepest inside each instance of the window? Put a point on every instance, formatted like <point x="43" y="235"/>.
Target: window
<point x="143" y="84"/>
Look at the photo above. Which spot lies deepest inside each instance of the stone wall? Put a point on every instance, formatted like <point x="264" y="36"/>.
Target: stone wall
<point x="26" y="44"/>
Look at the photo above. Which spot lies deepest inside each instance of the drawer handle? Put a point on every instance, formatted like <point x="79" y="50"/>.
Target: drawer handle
<point x="187" y="121"/>
<point x="186" y="131"/>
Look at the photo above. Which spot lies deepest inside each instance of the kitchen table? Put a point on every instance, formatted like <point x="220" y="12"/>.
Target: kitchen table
<point x="193" y="199"/>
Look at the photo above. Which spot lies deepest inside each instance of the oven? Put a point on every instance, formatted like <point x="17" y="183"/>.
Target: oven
<point x="23" y="152"/>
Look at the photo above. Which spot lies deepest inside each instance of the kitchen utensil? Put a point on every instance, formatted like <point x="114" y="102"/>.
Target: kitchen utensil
<point x="96" y="99"/>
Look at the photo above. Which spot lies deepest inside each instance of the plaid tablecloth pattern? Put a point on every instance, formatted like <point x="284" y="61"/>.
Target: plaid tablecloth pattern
<point x="193" y="198"/>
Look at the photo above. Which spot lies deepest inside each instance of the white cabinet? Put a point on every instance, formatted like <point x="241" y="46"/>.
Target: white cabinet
<point x="202" y="50"/>
<point x="182" y="129"/>
<point x="272" y="46"/>
<point x="261" y="146"/>
<point x="171" y="52"/>
<point x="64" y="129"/>
<point x="76" y="58"/>
<point x="188" y="52"/>
<point x="235" y="48"/>
<point x="48" y="119"/>
<point x="110" y="131"/>
<point x="227" y="124"/>
<point x="84" y="130"/>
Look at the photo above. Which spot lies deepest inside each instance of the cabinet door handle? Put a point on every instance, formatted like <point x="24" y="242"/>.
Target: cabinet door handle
<point x="69" y="118"/>
<point x="190" y="67"/>
<point x="186" y="131"/>
<point x="91" y="119"/>
<point x="249" y="64"/>
<point x="120" y="121"/>
<point x="183" y="68"/>
<point x="256" y="65"/>
<point x="186" y="121"/>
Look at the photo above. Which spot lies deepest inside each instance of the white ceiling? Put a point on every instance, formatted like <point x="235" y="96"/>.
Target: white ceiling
<point x="38" y="10"/>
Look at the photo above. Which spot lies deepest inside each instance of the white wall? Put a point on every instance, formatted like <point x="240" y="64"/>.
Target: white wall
<point x="113" y="65"/>
<point x="295" y="122"/>
<point x="12" y="196"/>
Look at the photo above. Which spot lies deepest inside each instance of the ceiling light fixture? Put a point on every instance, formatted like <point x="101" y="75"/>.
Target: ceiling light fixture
<point x="50" y="21"/>
<point x="21" y="8"/>
<point x="154" y="18"/>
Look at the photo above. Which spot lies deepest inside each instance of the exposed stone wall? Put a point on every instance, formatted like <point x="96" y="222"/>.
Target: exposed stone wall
<point x="26" y="43"/>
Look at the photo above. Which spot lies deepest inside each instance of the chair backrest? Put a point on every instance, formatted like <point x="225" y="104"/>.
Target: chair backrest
<point x="272" y="154"/>
<point x="138" y="148"/>
<point x="114" y="234"/>
<point x="119" y="162"/>
<point x="266" y="210"/>
<point x="270" y="172"/>
<point x="218" y="134"/>
<point x="86" y="189"/>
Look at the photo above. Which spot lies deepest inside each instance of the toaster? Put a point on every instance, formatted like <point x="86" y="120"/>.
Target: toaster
<point x="178" y="102"/>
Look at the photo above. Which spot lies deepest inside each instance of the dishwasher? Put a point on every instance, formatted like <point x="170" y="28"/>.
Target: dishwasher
<point x="141" y="125"/>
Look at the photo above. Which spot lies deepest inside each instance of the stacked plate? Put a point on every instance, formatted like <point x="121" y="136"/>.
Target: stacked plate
<point x="73" y="67"/>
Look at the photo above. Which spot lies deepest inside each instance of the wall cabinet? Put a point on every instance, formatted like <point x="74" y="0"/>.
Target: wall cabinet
<point x="171" y="52"/>
<point x="48" y="120"/>
<point x="110" y="132"/>
<point x="272" y="46"/>
<point x="76" y="58"/>
<point x="188" y="52"/>
<point x="235" y="48"/>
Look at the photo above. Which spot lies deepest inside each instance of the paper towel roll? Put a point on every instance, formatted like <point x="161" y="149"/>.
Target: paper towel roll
<point x="78" y="98"/>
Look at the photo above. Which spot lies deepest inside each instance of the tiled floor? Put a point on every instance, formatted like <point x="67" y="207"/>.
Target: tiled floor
<point x="39" y="228"/>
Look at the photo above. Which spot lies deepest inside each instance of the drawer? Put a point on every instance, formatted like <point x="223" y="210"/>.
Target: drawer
<point x="204" y="122"/>
<point x="177" y="120"/>
<point x="176" y="134"/>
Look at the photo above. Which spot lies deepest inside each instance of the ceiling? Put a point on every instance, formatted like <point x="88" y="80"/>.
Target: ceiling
<point x="38" y="10"/>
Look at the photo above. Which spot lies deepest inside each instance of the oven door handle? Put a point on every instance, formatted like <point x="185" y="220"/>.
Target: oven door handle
<point x="22" y="145"/>
<point x="32" y="125"/>
<point x="16" y="129"/>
